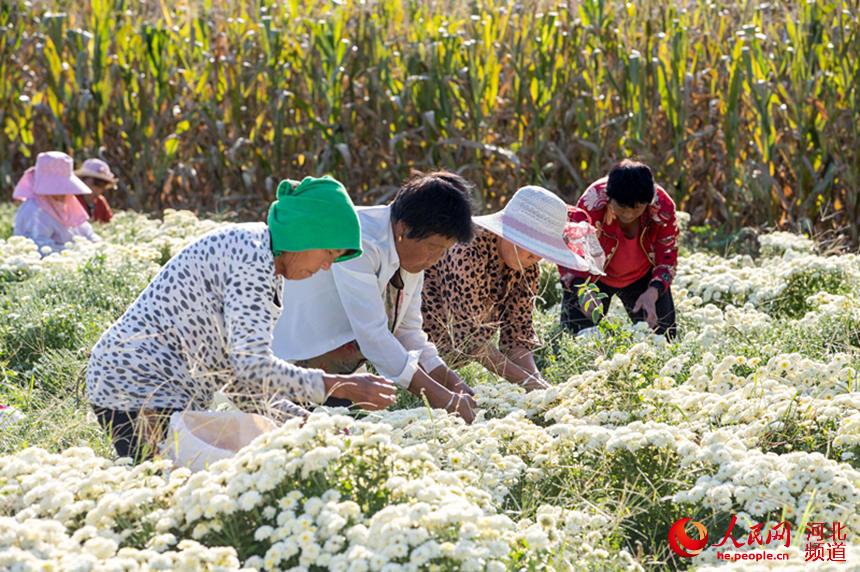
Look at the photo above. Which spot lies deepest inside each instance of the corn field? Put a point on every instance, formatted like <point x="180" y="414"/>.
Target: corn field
<point x="748" y="111"/>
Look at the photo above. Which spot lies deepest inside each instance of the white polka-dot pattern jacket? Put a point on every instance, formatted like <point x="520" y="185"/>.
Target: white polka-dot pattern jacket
<point x="203" y="325"/>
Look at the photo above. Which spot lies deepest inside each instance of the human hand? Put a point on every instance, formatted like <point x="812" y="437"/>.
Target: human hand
<point x="534" y="382"/>
<point x="461" y="386"/>
<point x="648" y="302"/>
<point x="567" y="280"/>
<point x="449" y="379"/>
<point x="456" y="384"/>
<point x="367" y="391"/>
<point x="463" y="405"/>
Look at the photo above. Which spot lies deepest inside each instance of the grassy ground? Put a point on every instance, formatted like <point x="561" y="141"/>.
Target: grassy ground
<point x="48" y="328"/>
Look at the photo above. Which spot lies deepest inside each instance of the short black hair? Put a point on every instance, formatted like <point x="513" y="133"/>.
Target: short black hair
<point x="630" y="183"/>
<point x="435" y="203"/>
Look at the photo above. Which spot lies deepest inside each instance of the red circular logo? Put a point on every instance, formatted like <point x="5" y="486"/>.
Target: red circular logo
<point x="681" y="543"/>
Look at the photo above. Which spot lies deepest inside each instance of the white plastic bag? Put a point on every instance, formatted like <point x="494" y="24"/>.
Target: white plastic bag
<point x="9" y="416"/>
<point x="196" y="439"/>
<point x="592" y="332"/>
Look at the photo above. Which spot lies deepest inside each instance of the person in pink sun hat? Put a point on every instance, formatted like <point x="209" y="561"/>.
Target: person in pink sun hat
<point x="51" y="215"/>
<point x="489" y="286"/>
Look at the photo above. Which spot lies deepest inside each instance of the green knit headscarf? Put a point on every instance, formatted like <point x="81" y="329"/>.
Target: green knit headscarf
<point x="314" y="213"/>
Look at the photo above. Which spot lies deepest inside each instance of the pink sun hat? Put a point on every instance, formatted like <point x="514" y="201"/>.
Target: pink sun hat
<point x="54" y="175"/>
<point x="536" y="219"/>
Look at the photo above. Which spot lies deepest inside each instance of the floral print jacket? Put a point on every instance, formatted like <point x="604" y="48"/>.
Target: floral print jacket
<point x="658" y="235"/>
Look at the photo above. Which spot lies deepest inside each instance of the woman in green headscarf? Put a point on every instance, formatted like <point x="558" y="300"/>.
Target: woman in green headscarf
<point x="205" y="323"/>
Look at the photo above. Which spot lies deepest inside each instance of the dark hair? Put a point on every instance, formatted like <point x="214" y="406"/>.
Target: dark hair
<point x="435" y="203"/>
<point x="630" y="183"/>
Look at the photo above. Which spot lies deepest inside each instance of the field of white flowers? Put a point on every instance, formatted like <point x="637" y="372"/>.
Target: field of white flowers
<point x="754" y="411"/>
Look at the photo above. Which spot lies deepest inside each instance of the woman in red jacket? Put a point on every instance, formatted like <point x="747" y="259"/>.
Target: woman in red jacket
<point x="635" y="223"/>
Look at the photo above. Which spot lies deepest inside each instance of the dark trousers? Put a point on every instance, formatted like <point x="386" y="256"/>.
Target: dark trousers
<point x="129" y="433"/>
<point x="574" y="319"/>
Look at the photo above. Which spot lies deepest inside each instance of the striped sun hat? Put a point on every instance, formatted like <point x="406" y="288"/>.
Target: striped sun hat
<point x="536" y="220"/>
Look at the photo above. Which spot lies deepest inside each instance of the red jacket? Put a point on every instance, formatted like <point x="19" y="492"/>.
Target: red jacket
<point x="101" y="209"/>
<point x="658" y="236"/>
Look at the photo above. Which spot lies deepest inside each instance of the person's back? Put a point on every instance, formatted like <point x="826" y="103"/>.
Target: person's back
<point x="175" y="327"/>
<point x="33" y="222"/>
<point x="51" y="215"/>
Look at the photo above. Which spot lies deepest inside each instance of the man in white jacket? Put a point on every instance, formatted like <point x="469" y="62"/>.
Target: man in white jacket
<point x="369" y="308"/>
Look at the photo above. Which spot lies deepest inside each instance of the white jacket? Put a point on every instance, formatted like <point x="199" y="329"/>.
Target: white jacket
<point x="43" y="229"/>
<point x="346" y="303"/>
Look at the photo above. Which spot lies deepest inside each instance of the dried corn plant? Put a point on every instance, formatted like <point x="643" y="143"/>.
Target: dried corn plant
<point x="748" y="111"/>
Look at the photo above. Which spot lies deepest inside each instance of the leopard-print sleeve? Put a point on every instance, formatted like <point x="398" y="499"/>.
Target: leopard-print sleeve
<point x="517" y="325"/>
<point x="455" y="301"/>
